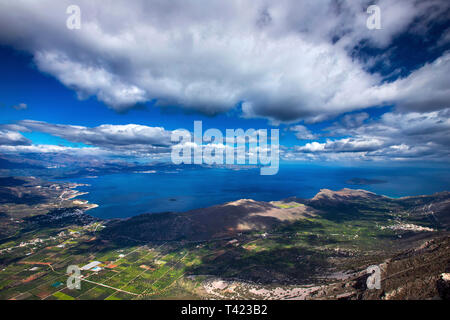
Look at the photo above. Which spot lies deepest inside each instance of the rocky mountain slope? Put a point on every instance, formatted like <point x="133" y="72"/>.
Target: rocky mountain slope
<point x="418" y="273"/>
<point x="214" y="222"/>
<point x="248" y="215"/>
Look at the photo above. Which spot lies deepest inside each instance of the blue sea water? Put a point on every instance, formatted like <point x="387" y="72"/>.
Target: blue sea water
<point x="129" y="194"/>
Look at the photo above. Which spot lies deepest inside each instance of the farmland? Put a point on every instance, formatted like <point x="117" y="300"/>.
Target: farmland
<point x="315" y="245"/>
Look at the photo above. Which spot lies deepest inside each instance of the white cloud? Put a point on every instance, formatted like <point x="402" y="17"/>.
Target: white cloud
<point x="343" y="145"/>
<point x="302" y="133"/>
<point x="44" y="148"/>
<point x="11" y="138"/>
<point x="312" y="147"/>
<point x="354" y="120"/>
<point x="285" y="60"/>
<point x="425" y="89"/>
<point x="90" y="80"/>
<point x="106" y="135"/>
<point x="127" y="140"/>
<point x="395" y="136"/>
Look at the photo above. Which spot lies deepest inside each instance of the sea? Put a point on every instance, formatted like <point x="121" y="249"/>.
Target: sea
<point x="123" y="195"/>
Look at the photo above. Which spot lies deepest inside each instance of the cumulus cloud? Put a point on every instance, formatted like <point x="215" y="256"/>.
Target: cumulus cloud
<point x="394" y="136"/>
<point x="128" y="140"/>
<point x="425" y="89"/>
<point x="343" y="145"/>
<point x="413" y="128"/>
<point x="302" y="132"/>
<point x="91" y="80"/>
<point x="44" y="148"/>
<point x="12" y="138"/>
<point x="105" y="135"/>
<point x="402" y="136"/>
<point x="354" y="120"/>
<point x="285" y="60"/>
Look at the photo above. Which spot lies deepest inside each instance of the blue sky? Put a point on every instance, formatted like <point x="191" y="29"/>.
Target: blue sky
<point x="50" y="101"/>
<point x="337" y="91"/>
